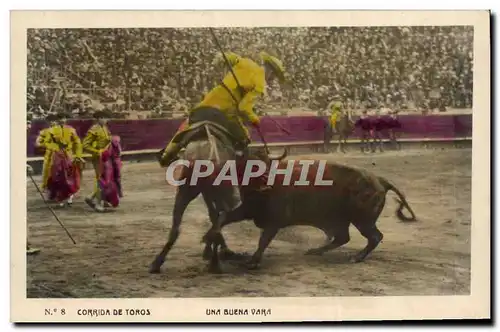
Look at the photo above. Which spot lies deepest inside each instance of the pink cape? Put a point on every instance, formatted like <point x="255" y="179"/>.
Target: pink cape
<point x="110" y="165"/>
<point x="64" y="178"/>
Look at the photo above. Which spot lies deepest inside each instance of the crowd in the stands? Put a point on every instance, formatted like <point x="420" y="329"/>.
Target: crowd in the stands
<point x="169" y="70"/>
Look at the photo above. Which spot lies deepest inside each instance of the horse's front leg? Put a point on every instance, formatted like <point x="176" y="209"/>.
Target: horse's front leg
<point x="213" y="215"/>
<point x="214" y="266"/>
<point x="344" y="143"/>
<point x="340" y="147"/>
<point x="183" y="197"/>
<point x="214" y="237"/>
<point x="233" y="216"/>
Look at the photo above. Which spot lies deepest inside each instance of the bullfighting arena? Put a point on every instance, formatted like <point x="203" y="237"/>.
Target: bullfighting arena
<point x="114" y="249"/>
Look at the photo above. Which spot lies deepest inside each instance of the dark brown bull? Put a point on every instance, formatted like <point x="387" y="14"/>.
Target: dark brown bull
<point x="356" y="197"/>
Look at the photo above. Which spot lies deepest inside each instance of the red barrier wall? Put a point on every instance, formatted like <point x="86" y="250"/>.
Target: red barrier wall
<point x="155" y="133"/>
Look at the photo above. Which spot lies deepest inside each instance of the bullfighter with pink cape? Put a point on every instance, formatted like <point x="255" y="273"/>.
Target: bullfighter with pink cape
<point x="110" y="166"/>
<point x="106" y="151"/>
<point x="63" y="161"/>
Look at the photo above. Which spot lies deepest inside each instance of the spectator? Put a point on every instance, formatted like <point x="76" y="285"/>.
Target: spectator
<point x="141" y="69"/>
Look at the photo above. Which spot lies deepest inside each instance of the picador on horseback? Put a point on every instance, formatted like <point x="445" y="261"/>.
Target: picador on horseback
<point x="231" y="105"/>
<point x="216" y="128"/>
<point x="339" y="124"/>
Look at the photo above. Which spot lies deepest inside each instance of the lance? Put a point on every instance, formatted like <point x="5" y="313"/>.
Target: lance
<point x="51" y="210"/>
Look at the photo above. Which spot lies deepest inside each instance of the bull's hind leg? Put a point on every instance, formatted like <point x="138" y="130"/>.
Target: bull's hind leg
<point x="340" y="237"/>
<point x="369" y="230"/>
<point x="374" y="237"/>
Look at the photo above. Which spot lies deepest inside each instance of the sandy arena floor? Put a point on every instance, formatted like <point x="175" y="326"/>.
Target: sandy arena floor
<point x="114" y="250"/>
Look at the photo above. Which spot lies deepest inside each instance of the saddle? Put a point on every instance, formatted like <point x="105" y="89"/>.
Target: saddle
<point x="198" y="131"/>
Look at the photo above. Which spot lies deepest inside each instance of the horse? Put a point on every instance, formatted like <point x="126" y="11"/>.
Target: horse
<point x="343" y="129"/>
<point x="204" y="140"/>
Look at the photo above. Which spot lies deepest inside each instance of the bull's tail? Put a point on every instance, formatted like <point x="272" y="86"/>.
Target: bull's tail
<point x="401" y="200"/>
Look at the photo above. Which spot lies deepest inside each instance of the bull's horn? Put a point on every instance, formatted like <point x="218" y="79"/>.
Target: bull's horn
<point x="279" y="158"/>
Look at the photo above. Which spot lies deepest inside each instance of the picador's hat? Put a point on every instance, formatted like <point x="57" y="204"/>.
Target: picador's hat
<point x="231" y="57"/>
<point x="275" y="64"/>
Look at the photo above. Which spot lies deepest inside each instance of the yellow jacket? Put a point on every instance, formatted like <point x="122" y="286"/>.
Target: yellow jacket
<point x="97" y="139"/>
<point x="335" y="107"/>
<point x="334" y="117"/>
<point x="42" y="137"/>
<point x="65" y="135"/>
<point x="251" y="78"/>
